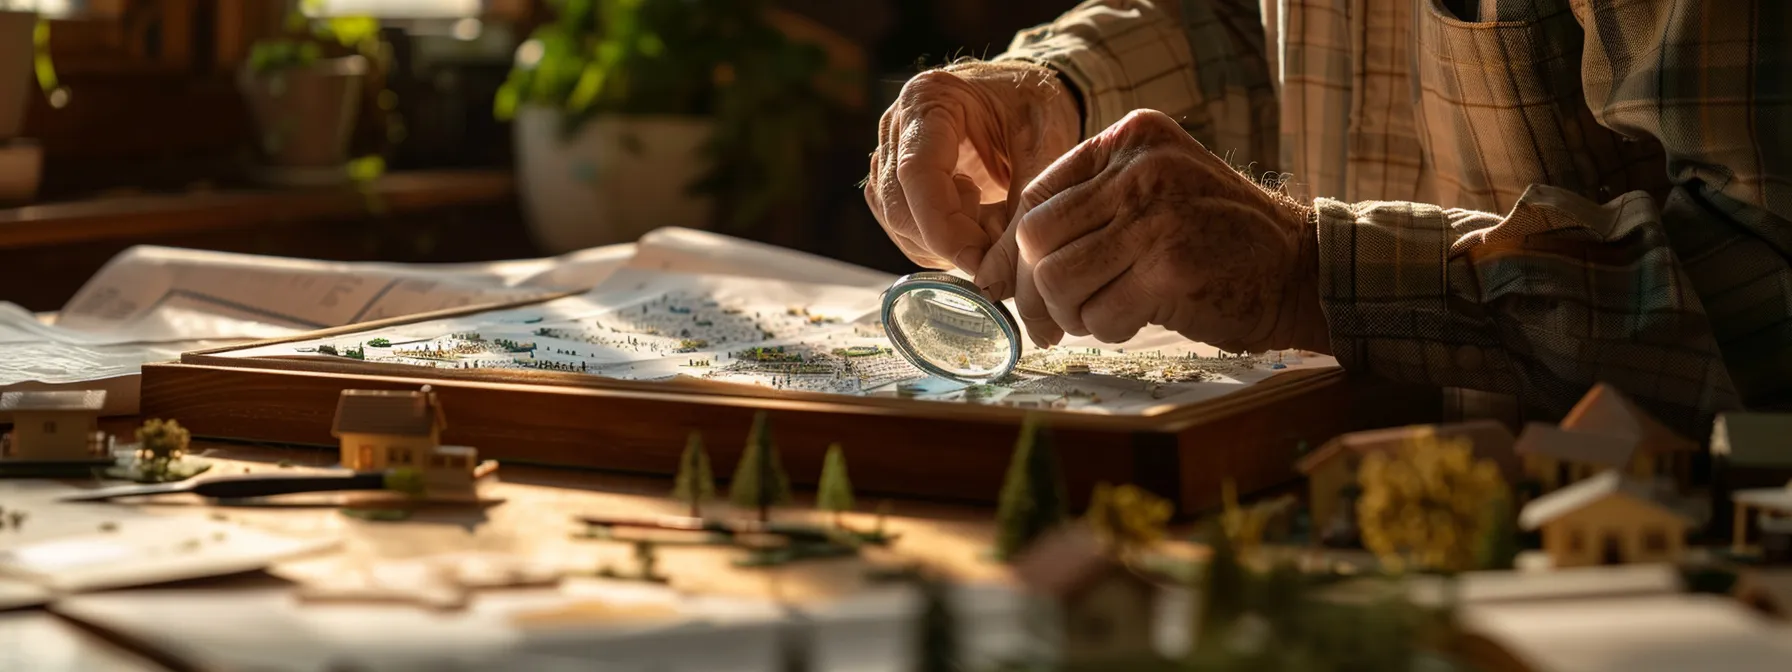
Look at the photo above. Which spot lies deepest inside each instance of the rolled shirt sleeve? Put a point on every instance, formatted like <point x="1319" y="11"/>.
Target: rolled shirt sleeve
<point x="1202" y="63"/>
<point x="1558" y="295"/>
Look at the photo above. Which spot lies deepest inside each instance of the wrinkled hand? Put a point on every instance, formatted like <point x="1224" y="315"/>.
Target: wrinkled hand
<point x="954" y="152"/>
<point x="1142" y="225"/>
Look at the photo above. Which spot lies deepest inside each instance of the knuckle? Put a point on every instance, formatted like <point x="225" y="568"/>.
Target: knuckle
<point x="923" y="86"/>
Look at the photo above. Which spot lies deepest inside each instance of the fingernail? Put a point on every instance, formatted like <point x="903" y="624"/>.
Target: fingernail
<point x="968" y="258"/>
<point x="997" y="290"/>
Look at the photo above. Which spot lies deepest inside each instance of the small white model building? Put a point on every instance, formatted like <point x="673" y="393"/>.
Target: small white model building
<point x="54" y="426"/>
<point x="391" y="429"/>
<point x="1608" y="519"/>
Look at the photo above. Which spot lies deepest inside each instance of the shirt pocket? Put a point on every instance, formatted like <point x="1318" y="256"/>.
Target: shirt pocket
<point x="1500" y="107"/>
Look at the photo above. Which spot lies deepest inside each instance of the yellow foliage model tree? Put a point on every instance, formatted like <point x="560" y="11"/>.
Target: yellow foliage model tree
<point x="1423" y="505"/>
<point x="1128" y="518"/>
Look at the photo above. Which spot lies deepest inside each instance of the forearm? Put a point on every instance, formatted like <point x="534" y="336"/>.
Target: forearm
<point x="1202" y="62"/>
<point x="1543" y="303"/>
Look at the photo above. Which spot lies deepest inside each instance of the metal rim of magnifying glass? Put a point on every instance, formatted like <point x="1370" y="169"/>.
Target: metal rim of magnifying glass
<point x="959" y="287"/>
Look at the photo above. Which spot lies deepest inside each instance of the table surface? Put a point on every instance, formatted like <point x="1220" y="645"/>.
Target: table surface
<point x="533" y="518"/>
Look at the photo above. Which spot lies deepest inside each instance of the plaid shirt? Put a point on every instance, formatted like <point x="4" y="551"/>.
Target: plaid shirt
<point x="1639" y="150"/>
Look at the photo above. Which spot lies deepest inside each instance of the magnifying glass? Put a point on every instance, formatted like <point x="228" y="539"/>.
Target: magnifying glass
<point x="945" y="326"/>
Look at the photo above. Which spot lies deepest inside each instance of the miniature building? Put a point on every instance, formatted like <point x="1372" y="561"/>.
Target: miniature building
<point x="1748" y="450"/>
<point x="1557" y="458"/>
<point x="1658" y="452"/>
<point x="1767" y="591"/>
<point x="1770" y="511"/>
<point x="381" y="429"/>
<point x="54" y="426"/>
<point x="1106" y="608"/>
<point x="1332" y="468"/>
<point x="1606" y="520"/>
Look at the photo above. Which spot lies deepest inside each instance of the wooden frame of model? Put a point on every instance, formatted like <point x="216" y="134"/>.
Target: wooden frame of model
<point x="568" y="419"/>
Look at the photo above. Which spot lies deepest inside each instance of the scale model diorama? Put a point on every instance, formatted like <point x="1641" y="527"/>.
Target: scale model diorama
<point x="54" y="432"/>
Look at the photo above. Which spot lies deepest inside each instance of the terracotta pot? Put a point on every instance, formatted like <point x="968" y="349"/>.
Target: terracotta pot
<point x="614" y="179"/>
<point x="305" y="117"/>
<point x="16" y="80"/>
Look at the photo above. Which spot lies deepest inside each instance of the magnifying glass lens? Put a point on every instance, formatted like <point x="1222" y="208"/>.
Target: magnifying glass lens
<point x="945" y="326"/>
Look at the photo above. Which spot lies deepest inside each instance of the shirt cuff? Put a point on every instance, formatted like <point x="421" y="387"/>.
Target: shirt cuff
<point x="1385" y="289"/>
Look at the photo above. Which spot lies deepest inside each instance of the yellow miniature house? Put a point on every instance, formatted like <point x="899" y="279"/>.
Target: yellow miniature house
<point x="382" y="429"/>
<point x="1106" y="609"/>
<point x="54" y="426"/>
<point x="1333" y="467"/>
<point x="1608" y="519"/>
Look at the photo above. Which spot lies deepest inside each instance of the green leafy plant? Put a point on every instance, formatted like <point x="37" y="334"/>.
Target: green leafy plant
<point x="717" y="58"/>
<point x="834" y="491"/>
<point x="307" y="40"/>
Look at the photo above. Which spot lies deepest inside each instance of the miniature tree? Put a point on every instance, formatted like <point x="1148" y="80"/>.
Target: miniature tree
<point x="1422" y="505"/>
<point x="1128" y="519"/>
<point x="406" y="480"/>
<point x="695" y="483"/>
<point x="1242" y="526"/>
<point x="936" y="635"/>
<point x="834" y="493"/>
<point x="1498" y="543"/>
<point x="159" y="444"/>
<point x="759" y="480"/>
<point x="1221" y="596"/>
<point x="1032" y="501"/>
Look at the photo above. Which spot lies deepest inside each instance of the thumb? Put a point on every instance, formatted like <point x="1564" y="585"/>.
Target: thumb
<point x="996" y="277"/>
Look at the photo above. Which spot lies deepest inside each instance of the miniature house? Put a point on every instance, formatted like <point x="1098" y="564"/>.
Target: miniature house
<point x="1556" y="458"/>
<point x="1659" y="451"/>
<point x="1748" y="451"/>
<point x="381" y="429"/>
<point x="1331" y="470"/>
<point x="1768" y="511"/>
<point x="55" y="426"/>
<point x="1608" y="519"/>
<point x="1105" y="608"/>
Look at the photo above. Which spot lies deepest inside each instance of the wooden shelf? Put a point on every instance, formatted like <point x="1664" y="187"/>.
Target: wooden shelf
<point x="145" y="216"/>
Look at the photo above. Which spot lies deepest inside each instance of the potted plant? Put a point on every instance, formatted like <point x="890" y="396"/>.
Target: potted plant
<point x="306" y="89"/>
<point x="24" y="51"/>
<point x="636" y="114"/>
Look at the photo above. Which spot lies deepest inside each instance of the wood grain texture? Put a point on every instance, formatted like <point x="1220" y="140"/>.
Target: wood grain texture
<point x="897" y="447"/>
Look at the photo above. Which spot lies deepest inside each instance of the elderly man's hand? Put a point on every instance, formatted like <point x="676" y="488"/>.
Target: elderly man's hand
<point x="954" y="149"/>
<point x="1142" y="225"/>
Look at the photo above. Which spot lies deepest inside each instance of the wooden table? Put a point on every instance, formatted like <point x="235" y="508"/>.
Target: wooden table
<point x="534" y="518"/>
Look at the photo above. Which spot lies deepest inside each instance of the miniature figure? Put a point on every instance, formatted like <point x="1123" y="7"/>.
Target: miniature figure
<point x="1105" y="610"/>
<point x="55" y="431"/>
<point x="834" y="492"/>
<point x="1127" y="519"/>
<point x="759" y="480"/>
<point x="694" y="484"/>
<point x="1422" y="506"/>
<point x="388" y="430"/>
<point x="1606" y="520"/>
<point x="1334" y="466"/>
<point x="1748" y="451"/>
<point x="1032" y="500"/>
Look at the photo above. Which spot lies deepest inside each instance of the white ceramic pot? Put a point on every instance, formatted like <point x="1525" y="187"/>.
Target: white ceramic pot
<point x="612" y="180"/>
<point x="16" y="81"/>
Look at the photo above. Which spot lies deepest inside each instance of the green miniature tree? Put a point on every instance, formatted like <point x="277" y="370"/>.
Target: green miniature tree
<point x="936" y="636"/>
<point x="1498" y="547"/>
<point x="1032" y="501"/>
<point x="406" y="480"/>
<point x="1222" y="594"/>
<point x="759" y="480"/>
<point x="835" y="490"/>
<point x="160" y="443"/>
<point x="695" y="483"/>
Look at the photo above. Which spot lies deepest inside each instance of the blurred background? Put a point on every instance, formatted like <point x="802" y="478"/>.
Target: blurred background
<point x="450" y="130"/>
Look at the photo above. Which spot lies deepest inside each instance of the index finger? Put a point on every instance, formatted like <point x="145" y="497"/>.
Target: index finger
<point x="926" y="158"/>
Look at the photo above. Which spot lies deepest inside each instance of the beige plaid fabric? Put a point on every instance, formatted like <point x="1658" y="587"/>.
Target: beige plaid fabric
<point x="1611" y="179"/>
